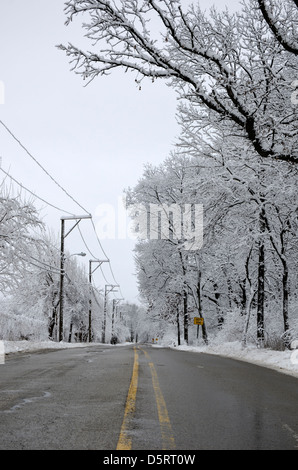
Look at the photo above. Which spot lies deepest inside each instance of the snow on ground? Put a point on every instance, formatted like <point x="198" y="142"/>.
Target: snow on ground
<point x="31" y="346"/>
<point x="11" y="347"/>
<point x="282" y="361"/>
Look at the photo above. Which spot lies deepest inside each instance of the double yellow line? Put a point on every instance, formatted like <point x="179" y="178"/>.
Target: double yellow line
<point x="125" y="441"/>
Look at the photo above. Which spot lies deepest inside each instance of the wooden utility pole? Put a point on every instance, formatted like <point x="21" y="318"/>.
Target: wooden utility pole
<point x="115" y="302"/>
<point x="61" y="293"/>
<point x="261" y="276"/>
<point x="78" y="219"/>
<point x="99" y="263"/>
<point x="108" y="288"/>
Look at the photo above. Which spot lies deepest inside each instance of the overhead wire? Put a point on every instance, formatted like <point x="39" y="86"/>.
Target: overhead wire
<point x="100" y="244"/>
<point x="45" y="267"/>
<point x="54" y="269"/>
<point x="38" y="266"/>
<point x="41" y="166"/>
<point x="93" y="256"/>
<point x="32" y="193"/>
<point x="84" y="241"/>
<point x="41" y="199"/>
<point x="103" y="275"/>
<point x="66" y="192"/>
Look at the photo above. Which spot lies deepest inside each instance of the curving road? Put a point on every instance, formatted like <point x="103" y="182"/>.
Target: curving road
<point x="142" y="398"/>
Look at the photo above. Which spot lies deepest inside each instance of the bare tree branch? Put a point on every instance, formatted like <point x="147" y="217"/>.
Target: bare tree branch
<point x="277" y="31"/>
<point x="226" y="64"/>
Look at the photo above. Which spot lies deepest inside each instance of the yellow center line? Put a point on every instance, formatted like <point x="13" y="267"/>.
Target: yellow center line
<point x="163" y="416"/>
<point x="125" y="442"/>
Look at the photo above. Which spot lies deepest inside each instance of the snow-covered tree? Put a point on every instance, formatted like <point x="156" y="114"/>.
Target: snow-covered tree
<point x="250" y="218"/>
<point x="228" y="66"/>
<point x="234" y="76"/>
<point x="18" y="220"/>
<point x="29" y="277"/>
<point x="282" y="19"/>
<point x="254" y="187"/>
<point x="170" y="194"/>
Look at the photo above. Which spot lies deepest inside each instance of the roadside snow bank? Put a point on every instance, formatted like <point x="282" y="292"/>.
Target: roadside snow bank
<point x="11" y="347"/>
<point x="26" y="346"/>
<point x="282" y="361"/>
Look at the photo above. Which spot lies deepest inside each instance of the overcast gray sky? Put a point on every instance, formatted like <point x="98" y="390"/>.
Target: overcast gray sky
<point x="93" y="140"/>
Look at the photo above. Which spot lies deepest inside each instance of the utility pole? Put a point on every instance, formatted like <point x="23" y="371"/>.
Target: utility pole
<point x="108" y="288"/>
<point x="113" y="315"/>
<point x="99" y="263"/>
<point x="61" y="293"/>
<point x="115" y="302"/>
<point x="78" y="219"/>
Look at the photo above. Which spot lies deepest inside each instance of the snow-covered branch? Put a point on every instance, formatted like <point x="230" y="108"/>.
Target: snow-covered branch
<point x="225" y="64"/>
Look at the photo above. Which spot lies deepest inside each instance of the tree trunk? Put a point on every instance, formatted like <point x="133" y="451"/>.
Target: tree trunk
<point x="185" y="317"/>
<point x="248" y="312"/>
<point x="199" y="296"/>
<point x="285" y="280"/>
<point x="285" y="302"/>
<point x="70" y="332"/>
<point x="52" y="324"/>
<point x="243" y="301"/>
<point x="178" y="328"/>
<point x="261" y="281"/>
<point x="220" y="317"/>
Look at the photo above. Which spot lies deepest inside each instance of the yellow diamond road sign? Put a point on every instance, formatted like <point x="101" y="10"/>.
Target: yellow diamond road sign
<point x="198" y="320"/>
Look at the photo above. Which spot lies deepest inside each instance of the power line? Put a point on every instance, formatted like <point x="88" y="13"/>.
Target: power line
<point x="41" y="199"/>
<point x="84" y="241"/>
<point x="99" y="242"/>
<point x="38" y="266"/>
<point x="66" y="192"/>
<point x="33" y="194"/>
<point x="39" y="164"/>
<point x="55" y="269"/>
<point x="87" y="248"/>
<point x="104" y="275"/>
<point x="46" y="266"/>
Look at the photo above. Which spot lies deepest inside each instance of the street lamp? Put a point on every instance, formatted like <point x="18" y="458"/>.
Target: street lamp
<point x="99" y="263"/>
<point x="108" y="288"/>
<point x="78" y="219"/>
<point x="76" y="254"/>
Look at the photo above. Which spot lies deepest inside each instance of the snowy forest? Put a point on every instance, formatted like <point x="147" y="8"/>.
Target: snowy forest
<point x="30" y="284"/>
<point x="235" y="76"/>
<point x="236" y="79"/>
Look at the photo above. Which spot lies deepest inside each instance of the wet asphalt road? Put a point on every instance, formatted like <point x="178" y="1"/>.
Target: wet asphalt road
<point x="77" y="399"/>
